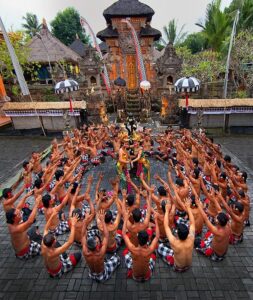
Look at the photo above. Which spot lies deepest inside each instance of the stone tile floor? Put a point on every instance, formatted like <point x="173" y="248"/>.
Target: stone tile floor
<point x="230" y="279"/>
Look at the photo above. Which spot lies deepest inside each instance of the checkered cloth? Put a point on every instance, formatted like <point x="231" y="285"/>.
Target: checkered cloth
<point x="180" y="218"/>
<point x="85" y="209"/>
<point x="166" y="253"/>
<point x="66" y="266"/>
<point x="92" y="233"/>
<point x="62" y="228"/>
<point x="51" y="185"/>
<point x="34" y="249"/>
<point x="129" y="261"/>
<point x="96" y="160"/>
<point x="110" y="266"/>
<point x="205" y="247"/>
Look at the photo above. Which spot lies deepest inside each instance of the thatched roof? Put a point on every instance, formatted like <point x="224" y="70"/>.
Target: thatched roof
<point x="45" y="46"/>
<point x="19" y="106"/>
<point x="150" y="31"/>
<point x="108" y="32"/>
<point x="216" y="103"/>
<point x="79" y="47"/>
<point x="128" y="8"/>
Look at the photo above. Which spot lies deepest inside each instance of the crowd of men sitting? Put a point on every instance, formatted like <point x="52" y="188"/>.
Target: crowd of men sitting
<point x="202" y="205"/>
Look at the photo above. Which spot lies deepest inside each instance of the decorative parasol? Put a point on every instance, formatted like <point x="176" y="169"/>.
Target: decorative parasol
<point x="120" y="82"/>
<point x="187" y="85"/>
<point x="145" y="85"/>
<point x="67" y="86"/>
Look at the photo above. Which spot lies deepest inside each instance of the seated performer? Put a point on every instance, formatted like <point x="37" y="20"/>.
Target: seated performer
<point x="56" y="260"/>
<point x="140" y="260"/>
<point x="23" y="246"/>
<point x="216" y="241"/>
<point x="179" y="254"/>
<point x="58" y="224"/>
<point x="94" y="251"/>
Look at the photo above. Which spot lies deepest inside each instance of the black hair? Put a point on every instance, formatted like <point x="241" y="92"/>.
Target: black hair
<point x="45" y="200"/>
<point x="229" y="192"/>
<point x="196" y="172"/>
<point x="241" y="193"/>
<point x="239" y="206"/>
<point x="38" y="183"/>
<point x="108" y="216"/>
<point x="193" y="199"/>
<point x="130" y="199"/>
<point x="77" y="211"/>
<point x="223" y="175"/>
<point x="10" y="214"/>
<point x="218" y="163"/>
<point x="179" y="182"/>
<point x="222" y="219"/>
<point x="163" y="206"/>
<point x="182" y="232"/>
<point x="73" y="190"/>
<point x="162" y="192"/>
<point x="245" y="176"/>
<point x="25" y="163"/>
<point x="58" y="174"/>
<point x="40" y="174"/>
<point x="6" y="191"/>
<point x="227" y="158"/>
<point x="195" y="161"/>
<point x="48" y="239"/>
<point x="136" y="215"/>
<point x="216" y="187"/>
<point x="143" y="238"/>
<point x="91" y="243"/>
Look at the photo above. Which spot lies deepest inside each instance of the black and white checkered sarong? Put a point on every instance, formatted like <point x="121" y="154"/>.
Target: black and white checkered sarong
<point x="109" y="267"/>
<point x="34" y="249"/>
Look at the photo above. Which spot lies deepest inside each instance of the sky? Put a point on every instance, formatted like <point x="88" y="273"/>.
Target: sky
<point x="186" y="12"/>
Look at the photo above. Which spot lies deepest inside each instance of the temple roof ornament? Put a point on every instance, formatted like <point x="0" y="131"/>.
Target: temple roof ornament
<point x="128" y="8"/>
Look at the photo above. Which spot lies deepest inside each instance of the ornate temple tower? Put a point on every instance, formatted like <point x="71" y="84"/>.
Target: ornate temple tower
<point x="122" y="60"/>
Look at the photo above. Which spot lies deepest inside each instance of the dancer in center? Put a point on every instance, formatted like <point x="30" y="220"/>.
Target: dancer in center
<point x="122" y="169"/>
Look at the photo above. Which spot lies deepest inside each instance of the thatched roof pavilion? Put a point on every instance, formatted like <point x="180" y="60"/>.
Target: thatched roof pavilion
<point x="44" y="47"/>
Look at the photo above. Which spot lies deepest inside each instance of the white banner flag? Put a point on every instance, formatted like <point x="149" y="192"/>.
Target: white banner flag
<point x="15" y="62"/>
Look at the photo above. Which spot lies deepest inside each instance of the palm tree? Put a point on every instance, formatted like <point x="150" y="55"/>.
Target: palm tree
<point x="172" y="34"/>
<point x="32" y="25"/>
<point x="216" y="25"/>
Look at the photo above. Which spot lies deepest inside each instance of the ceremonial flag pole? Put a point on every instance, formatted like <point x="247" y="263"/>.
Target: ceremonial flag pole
<point x="18" y="70"/>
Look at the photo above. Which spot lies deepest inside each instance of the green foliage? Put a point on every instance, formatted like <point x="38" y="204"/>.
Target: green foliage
<point x="246" y="13"/>
<point x="196" y="42"/>
<point x="242" y="57"/>
<point x="49" y="95"/>
<point x="216" y="25"/>
<point x="241" y="94"/>
<point x="206" y="65"/>
<point x="32" y="25"/>
<point x="159" y="45"/>
<point x="17" y="40"/>
<point x="174" y="35"/>
<point x="66" y="25"/>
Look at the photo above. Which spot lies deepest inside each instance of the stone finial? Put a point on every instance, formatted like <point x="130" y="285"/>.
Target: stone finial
<point x="44" y="24"/>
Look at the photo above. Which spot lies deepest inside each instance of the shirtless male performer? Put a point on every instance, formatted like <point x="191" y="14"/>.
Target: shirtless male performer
<point x="216" y="241"/>
<point x="179" y="255"/>
<point x="94" y="251"/>
<point x="58" y="224"/>
<point x="56" y="260"/>
<point x="140" y="260"/>
<point x="23" y="246"/>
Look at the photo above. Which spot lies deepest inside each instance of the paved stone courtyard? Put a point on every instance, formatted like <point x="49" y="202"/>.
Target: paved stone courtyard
<point x="230" y="279"/>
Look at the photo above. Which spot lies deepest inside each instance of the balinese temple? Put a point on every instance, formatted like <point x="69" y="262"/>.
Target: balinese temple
<point x="46" y="50"/>
<point x="122" y="59"/>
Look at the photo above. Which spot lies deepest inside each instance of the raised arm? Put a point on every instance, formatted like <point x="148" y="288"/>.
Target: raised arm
<point x="169" y="234"/>
<point x="65" y="246"/>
